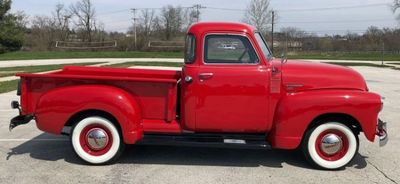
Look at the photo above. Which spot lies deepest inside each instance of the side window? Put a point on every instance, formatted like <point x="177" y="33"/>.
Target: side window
<point x="229" y="49"/>
<point x="190" y="49"/>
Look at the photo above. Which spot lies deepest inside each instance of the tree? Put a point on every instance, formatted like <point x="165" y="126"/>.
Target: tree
<point x="11" y="28"/>
<point x="293" y="37"/>
<point x="146" y="21"/>
<point x="62" y="18"/>
<point x="85" y="14"/>
<point x="42" y="33"/>
<point x="259" y="14"/>
<point x="45" y="30"/>
<point x="171" y="21"/>
<point x="395" y="7"/>
<point x="190" y="16"/>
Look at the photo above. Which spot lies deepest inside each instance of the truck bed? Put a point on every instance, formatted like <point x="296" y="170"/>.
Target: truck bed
<point x="155" y="90"/>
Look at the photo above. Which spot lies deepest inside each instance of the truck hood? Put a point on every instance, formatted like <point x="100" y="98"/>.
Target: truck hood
<point x="303" y="75"/>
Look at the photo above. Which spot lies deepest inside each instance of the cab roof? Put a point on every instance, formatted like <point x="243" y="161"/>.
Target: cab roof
<point x="203" y="27"/>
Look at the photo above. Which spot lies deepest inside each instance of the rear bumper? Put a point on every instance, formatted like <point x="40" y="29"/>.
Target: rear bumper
<point x="20" y="120"/>
<point x="381" y="132"/>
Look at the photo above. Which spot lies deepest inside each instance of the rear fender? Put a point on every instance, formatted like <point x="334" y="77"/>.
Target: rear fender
<point x="296" y="111"/>
<point x="57" y="106"/>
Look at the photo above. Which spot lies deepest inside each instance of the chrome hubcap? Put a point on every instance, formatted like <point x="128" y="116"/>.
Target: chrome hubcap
<point x="97" y="139"/>
<point x="331" y="144"/>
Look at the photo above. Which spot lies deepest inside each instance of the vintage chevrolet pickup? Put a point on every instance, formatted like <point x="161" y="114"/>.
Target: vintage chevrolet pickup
<point x="231" y="92"/>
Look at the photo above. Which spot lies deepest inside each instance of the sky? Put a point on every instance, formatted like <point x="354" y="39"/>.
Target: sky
<point x="320" y="17"/>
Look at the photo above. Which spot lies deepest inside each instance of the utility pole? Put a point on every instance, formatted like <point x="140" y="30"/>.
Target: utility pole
<point x="65" y="28"/>
<point x="272" y="34"/>
<point x="198" y="7"/>
<point x="383" y="52"/>
<point x="134" y="26"/>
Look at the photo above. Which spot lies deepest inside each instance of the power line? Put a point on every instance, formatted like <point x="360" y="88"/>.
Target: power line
<point x="308" y="9"/>
<point x="114" y="12"/>
<point x="243" y="10"/>
<point x="225" y="9"/>
<point x="335" y="8"/>
<point x="338" y="21"/>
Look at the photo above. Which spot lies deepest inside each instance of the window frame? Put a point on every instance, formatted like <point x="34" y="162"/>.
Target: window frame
<point x="192" y="58"/>
<point x="266" y="43"/>
<point x="229" y="34"/>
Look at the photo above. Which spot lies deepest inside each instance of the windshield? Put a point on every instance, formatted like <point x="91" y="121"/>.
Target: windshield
<point x="263" y="45"/>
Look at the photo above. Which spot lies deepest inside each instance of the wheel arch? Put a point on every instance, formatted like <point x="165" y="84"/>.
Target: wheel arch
<point x="53" y="111"/>
<point x="343" y="118"/>
<point x="92" y="112"/>
<point x="298" y="111"/>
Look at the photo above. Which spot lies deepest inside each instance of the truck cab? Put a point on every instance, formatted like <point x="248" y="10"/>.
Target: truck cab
<point x="231" y="92"/>
<point x="225" y="89"/>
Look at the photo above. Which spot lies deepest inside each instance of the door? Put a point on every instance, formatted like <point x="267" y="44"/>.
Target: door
<point x="232" y="91"/>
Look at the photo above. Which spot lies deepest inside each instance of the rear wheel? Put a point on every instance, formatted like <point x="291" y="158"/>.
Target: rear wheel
<point x="96" y="140"/>
<point x="331" y="145"/>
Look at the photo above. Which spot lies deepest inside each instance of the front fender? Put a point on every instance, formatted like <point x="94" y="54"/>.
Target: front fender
<point x="57" y="106"/>
<point x="296" y="111"/>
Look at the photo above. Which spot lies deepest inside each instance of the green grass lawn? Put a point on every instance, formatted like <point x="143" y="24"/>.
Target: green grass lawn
<point x="130" y="64"/>
<point x="8" y="86"/>
<point x="11" y="71"/>
<point x="21" y="55"/>
<point x="346" y="56"/>
<point x="12" y="85"/>
<point x="393" y="63"/>
<point x="358" y="64"/>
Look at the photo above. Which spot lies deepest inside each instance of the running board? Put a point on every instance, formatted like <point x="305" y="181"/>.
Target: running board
<point x="208" y="140"/>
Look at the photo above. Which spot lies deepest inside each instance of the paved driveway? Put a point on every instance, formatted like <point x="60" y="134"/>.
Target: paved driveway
<point x="30" y="156"/>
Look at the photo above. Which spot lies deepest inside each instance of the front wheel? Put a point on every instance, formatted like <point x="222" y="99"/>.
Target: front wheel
<point x="96" y="140"/>
<point x="331" y="145"/>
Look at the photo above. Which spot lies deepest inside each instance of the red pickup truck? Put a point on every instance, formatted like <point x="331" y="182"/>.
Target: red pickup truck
<point x="231" y="92"/>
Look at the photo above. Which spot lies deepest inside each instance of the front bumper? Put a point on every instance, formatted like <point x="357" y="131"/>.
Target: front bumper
<point x="381" y="132"/>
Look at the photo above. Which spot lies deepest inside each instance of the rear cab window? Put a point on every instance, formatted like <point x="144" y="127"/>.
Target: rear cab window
<point x="229" y="49"/>
<point x="190" y="49"/>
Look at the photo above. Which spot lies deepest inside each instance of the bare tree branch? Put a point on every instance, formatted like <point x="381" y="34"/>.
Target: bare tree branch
<point x="259" y="14"/>
<point x="86" y="17"/>
<point x="171" y="19"/>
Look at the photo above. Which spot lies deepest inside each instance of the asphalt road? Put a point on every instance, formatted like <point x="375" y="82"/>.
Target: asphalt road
<point x="30" y="156"/>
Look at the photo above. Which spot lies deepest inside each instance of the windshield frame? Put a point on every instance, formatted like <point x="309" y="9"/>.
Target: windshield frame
<point x="270" y="54"/>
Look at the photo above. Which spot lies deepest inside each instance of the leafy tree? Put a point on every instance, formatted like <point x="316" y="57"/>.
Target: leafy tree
<point x="11" y="28"/>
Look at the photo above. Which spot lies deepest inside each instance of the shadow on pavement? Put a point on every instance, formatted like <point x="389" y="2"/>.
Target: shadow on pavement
<point x="171" y="155"/>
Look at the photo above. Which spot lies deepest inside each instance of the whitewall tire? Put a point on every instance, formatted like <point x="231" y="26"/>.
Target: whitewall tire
<point x="331" y="145"/>
<point x="96" y="140"/>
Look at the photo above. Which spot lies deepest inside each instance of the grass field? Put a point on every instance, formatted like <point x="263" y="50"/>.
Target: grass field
<point x="359" y="64"/>
<point x="10" y="71"/>
<point x="8" y="86"/>
<point x="73" y="55"/>
<point x="130" y="64"/>
<point x="373" y="56"/>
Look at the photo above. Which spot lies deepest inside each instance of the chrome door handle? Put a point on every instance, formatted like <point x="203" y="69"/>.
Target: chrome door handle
<point x="205" y="76"/>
